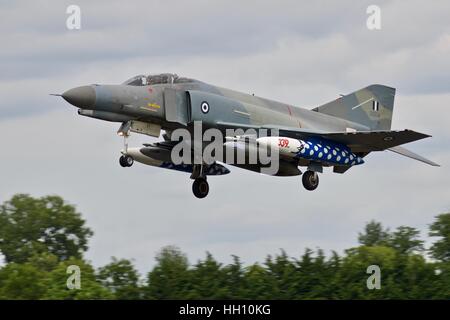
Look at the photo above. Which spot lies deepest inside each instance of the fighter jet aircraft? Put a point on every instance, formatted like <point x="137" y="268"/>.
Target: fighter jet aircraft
<point x="337" y="134"/>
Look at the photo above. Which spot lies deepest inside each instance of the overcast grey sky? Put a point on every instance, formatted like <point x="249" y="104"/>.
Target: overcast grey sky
<point x="301" y="52"/>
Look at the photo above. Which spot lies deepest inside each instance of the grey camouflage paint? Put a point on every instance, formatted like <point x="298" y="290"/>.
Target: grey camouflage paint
<point x="177" y="104"/>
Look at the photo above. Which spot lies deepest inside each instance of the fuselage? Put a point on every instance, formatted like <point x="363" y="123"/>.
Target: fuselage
<point x="180" y="104"/>
<point x="149" y="103"/>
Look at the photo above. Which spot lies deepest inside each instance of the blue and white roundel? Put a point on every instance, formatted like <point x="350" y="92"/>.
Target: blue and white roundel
<point x="205" y="107"/>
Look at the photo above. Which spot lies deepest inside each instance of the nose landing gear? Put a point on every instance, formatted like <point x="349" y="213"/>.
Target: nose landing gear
<point x="310" y="180"/>
<point x="124" y="131"/>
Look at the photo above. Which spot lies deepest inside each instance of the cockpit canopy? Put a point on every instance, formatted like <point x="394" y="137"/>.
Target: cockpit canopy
<point x="163" y="78"/>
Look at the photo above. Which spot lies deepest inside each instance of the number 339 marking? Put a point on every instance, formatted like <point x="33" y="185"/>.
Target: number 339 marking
<point x="283" y="143"/>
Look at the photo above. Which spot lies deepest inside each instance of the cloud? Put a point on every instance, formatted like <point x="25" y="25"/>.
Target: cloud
<point x="301" y="53"/>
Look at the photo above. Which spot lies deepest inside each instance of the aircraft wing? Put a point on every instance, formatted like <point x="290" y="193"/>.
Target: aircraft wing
<point x="362" y="141"/>
<point x="365" y="141"/>
<point x="358" y="141"/>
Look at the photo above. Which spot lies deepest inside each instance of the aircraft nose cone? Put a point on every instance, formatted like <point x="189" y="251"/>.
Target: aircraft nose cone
<point x="82" y="97"/>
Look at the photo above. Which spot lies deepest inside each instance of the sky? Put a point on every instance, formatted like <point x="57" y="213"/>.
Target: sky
<point x="304" y="53"/>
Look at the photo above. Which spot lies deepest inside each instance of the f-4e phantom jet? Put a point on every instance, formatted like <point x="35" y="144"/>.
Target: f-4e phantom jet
<point x="338" y="134"/>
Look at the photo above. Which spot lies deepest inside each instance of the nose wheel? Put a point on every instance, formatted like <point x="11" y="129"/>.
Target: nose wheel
<point x="310" y="180"/>
<point x="200" y="188"/>
<point x="126" y="161"/>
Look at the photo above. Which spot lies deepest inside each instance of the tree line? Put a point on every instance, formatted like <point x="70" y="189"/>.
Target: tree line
<point x="41" y="237"/>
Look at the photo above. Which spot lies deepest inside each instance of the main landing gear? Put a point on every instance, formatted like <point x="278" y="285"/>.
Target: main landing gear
<point x="310" y="180"/>
<point x="126" y="161"/>
<point x="200" y="188"/>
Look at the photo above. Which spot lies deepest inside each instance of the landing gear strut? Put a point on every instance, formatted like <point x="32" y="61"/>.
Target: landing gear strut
<point x="124" y="131"/>
<point x="200" y="188"/>
<point x="126" y="161"/>
<point x="310" y="180"/>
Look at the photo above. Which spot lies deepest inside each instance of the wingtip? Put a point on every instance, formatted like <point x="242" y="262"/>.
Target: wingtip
<point x="423" y="135"/>
<point x="435" y="164"/>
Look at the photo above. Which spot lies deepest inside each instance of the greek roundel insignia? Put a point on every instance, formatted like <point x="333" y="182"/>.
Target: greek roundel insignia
<point x="375" y="105"/>
<point x="205" y="107"/>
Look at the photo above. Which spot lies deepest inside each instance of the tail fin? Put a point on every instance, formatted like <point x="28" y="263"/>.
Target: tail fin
<point x="371" y="106"/>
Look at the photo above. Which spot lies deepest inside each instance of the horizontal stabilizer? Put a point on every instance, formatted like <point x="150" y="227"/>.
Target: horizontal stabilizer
<point x="412" y="155"/>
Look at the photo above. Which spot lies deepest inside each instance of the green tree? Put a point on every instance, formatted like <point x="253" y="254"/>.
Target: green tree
<point x="406" y="240"/>
<point x="43" y="277"/>
<point x="169" y="278"/>
<point x="208" y="280"/>
<point x="441" y="287"/>
<point x="91" y="288"/>
<point x="22" y="281"/>
<point x="41" y="237"/>
<point x="317" y="274"/>
<point x="281" y="271"/>
<point x="418" y="278"/>
<point x="235" y="281"/>
<point x="353" y="273"/>
<point x="305" y="275"/>
<point x="258" y="284"/>
<point x="30" y="226"/>
<point x="374" y="235"/>
<point x="440" y="250"/>
<point x="121" y="278"/>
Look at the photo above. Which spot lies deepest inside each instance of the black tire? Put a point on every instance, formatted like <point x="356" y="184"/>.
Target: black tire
<point x="128" y="161"/>
<point x="200" y="188"/>
<point x="310" y="180"/>
<point x="122" y="162"/>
